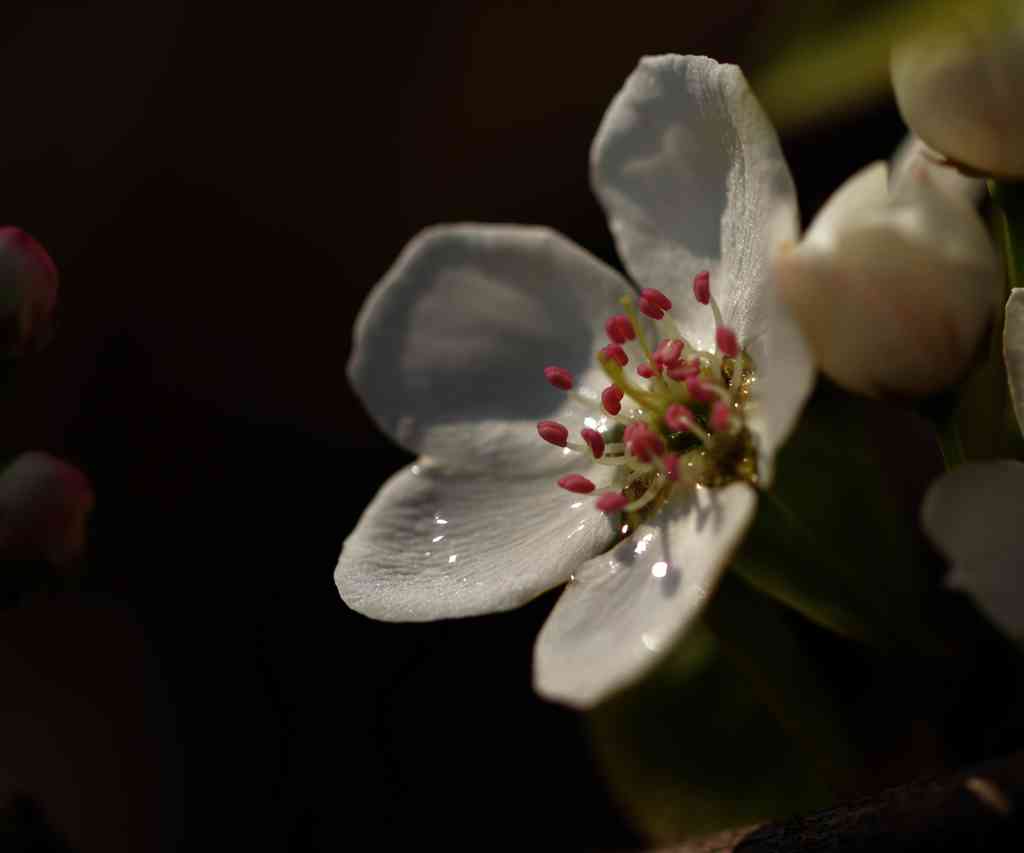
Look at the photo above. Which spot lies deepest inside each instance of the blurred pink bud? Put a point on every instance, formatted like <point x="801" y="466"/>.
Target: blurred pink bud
<point x="28" y="292"/>
<point x="44" y="506"/>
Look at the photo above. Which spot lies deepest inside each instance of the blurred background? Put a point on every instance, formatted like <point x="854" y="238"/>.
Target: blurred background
<point x="220" y="186"/>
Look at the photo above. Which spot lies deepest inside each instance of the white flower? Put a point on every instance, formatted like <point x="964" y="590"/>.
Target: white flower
<point x="958" y="87"/>
<point x="449" y="354"/>
<point x="973" y="513"/>
<point x="896" y="279"/>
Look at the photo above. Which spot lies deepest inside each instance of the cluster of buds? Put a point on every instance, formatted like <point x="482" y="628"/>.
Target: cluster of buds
<point x="679" y="423"/>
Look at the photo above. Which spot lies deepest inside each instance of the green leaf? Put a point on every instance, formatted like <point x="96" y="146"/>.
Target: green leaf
<point x="833" y="538"/>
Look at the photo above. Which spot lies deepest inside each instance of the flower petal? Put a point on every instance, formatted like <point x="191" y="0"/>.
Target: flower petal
<point x="457" y="334"/>
<point x="1013" y="351"/>
<point x="785" y="379"/>
<point x="435" y="544"/>
<point x="690" y="172"/>
<point x="913" y="154"/>
<point x="624" y="609"/>
<point x="972" y="514"/>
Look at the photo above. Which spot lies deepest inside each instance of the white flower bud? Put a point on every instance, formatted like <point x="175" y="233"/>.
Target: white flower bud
<point x="28" y="292"/>
<point x="893" y="286"/>
<point x="959" y="88"/>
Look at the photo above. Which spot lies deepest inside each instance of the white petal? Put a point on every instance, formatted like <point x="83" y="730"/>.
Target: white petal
<point x="624" y="609"/>
<point x="1013" y="351"/>
<point x="973" y="514"/>
<point x="692" y="177"/>
<point x="456" y="336"/>
<point x="913" y="154"/>
<point x="435" y="543"/>
<point x="893" y="289"/>
<point x="866" y="190"/>
<point x="785" y="379"/>
<point x="959" y="88"/>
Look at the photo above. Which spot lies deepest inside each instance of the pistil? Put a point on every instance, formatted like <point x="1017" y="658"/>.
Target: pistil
<point x="684" y="424"/>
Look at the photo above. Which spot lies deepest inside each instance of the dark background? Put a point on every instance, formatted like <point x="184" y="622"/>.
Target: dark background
<point x="221" y="185"/>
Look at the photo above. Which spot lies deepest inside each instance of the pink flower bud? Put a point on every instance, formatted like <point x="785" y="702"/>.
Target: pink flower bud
<point x="44" y="506"/>
<point x="28" y="293"/>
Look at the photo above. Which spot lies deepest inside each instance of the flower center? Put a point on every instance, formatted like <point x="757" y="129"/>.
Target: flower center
<point x="678" y="423"/>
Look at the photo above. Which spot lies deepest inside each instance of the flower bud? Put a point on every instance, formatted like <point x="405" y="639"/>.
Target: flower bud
<point x="893" y="286"/>
<point x="44" y="506"/>
<point x="958" y="87"/>
<point x="28" y="293"/>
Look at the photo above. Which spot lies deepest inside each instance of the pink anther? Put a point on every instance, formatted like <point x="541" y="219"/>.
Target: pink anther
<point x="678" y="417"/>
<point x="559" y="377"/>
<point x="576" y="483"/>
<point x="668" y="353"/>
<point x="646" y="371"/>
<point x="684" y="370"/>
<point x="720" y="417"/>
<point x="612" y="502"/>
<point x="615" y="353"/>
<point x="611" y="399"/>
<point x="651" y="309"/>
<point x="594" y="440"/>
<point x="702" y="287"/>
<point x="671" y="463"/>
<point x="553" y="433"/>
<point x="657" y="297"/>
<point x="725" y="338"/>
<point x="642" y="441"/>
<point x="619" y="329"/>
<point x="698" y="390"/>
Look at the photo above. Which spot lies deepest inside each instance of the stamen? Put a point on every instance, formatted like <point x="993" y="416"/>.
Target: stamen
<point x="668" y="353"/>
<point x="656" y="297"/>
<point x="646" y="497"/>
<point x="671" y="463"/>
<point x="646" y="371"/>
<point x="559" y="377"/>
<point x="612" y="502"/>
<point x="642" y="441"/>
<point x="594" y="440"/>
<point x="678" y="417"/>
<point x="553" y="433"/>
<point x="616" y="353"/>
<point x="651" y="309"/>
<point x="725" y="339"/>
<point x="698" y="390"/>
<point x="720" y="417"/>
<point x="619" y="329"/>
<point x="702" y="287"/>
<point x="576" y="483"/>
<point x="684" y="370"/>
<point x="611" y="399"/>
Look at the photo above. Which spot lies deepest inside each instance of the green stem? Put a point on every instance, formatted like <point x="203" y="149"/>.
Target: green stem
<point x="950" y="443"/>
<point x="1008" y="205"/>
<point x="761" y="644"/>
